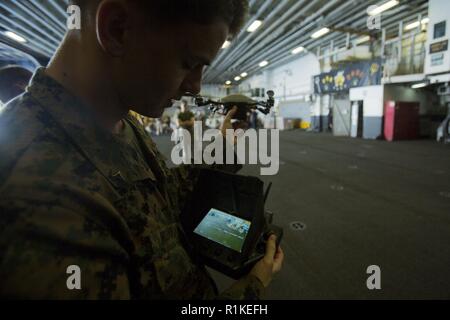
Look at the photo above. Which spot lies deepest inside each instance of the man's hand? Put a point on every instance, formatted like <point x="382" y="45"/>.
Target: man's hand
<point x="271" y="264"/>
<point x="235" y="126"/>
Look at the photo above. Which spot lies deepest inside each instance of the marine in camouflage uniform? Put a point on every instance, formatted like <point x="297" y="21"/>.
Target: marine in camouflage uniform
<point x="73" y="194"/>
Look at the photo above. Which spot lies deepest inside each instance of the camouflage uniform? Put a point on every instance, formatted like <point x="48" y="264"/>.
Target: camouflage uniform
<point x="74" y="194"/>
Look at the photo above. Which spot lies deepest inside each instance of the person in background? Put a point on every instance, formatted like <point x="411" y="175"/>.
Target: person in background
<point x="166" y="125"/>
<point x="186" y="117"/>
<point x="253" y="119"/>
<point x="330" y="120"/>
<point x="13" y="81"/>
<point x="158" y="126"/>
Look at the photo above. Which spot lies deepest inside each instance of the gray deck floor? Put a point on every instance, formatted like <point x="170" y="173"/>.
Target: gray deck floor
<point x="363" y="203"/>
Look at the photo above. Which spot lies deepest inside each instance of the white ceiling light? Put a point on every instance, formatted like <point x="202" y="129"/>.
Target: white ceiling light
<point x="255" y="25"/>
<point x="320" y="33"/>
<point x="228" y="82"/>
<point x="381" y="8"/>
<point x="298" y="50"/>
<point x="419" y="85"/>
<point x="362" y="39"/>
<point x="415" y="24"/>
<point x="226" y="44"/>
<point x="237" y="78"/>
<point x="15" y="37"/>
<point x="244" y="74"/>
<point x="264" y="63"/>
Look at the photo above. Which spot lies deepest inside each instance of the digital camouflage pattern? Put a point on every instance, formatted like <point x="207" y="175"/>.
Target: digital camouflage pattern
<point x="73" y="194"/>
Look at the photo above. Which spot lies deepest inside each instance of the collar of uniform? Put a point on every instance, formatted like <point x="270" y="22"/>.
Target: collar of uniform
<point x="153" y="158"/>
<point x="79" y="122"/>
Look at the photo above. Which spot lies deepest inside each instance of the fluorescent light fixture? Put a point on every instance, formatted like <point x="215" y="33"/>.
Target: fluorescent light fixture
<point x="419" y="85"/>
<point x="412" y="25"/>
<point x="228" y="82"/>
<point x="237" y="78"/>
<point x="362" y="39"/>
<point x="298" y="50"/>
<point x="255" y="25"/>
<point x="415" y="24"/>
<point x="244" y="74"/>
<point x="264" y="63"/>
<point x="226" y="44"/>
<point x="15" y="37"/>
<point x="320" y="33"/>
<point x="381" y="8"/>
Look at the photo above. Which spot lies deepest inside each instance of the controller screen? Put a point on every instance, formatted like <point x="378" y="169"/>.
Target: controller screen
<point x="223" y="228"/>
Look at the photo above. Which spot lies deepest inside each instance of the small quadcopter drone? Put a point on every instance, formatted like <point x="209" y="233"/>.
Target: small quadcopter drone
<point x="243" y="103"/>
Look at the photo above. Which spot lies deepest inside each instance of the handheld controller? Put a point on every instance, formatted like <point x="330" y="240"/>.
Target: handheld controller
<point x="226" y="225"/>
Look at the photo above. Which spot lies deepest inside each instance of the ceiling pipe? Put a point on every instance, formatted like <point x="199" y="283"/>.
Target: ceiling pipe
<point x="281" y="60"/>
<point x="249" y="53"/>
<point x="28" y="21"/>
<point x="286" y="56"/>
<point x="280" y="23"/>
<point x="26" y="28"/>
<point x="291" y="41"/>
<point x="361" y="9"/>
<point x="302" y="24"/>
<point x="37" y="54"/>
<point x="283" y="22"/>
<point x="242" y="33"/>
<point x="236" y="50"/>
<point x="261" y="54"/>
<point x="29" y="46"/>
<point x="309" y="41"/>
<point x="31" y="38"/>
<point x="58" y="8"/>
<point x="61" y="27"/>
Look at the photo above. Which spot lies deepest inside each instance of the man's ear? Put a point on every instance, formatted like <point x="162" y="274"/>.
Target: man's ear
<point x="112" y="22"/>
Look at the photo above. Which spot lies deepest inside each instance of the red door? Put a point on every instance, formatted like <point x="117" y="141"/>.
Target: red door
<point x="401" y="120"/>
<point x="389" y="120"/>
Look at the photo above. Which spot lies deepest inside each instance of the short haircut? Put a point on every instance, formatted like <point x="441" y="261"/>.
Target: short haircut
<point x="13" y="81"/>
<point x="232" y="12"/>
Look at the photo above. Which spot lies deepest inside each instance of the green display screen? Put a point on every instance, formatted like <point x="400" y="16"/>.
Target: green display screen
<point x="226" y="229"/>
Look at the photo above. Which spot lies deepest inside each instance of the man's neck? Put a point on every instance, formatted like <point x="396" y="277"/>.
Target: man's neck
<point x="83" y="76"/>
